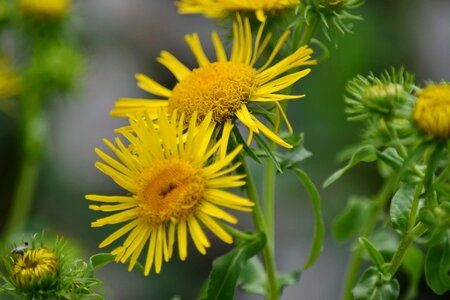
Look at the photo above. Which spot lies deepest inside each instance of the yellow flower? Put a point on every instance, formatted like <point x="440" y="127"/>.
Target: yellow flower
<point x="220" y="8"/>
<point x="10" y="81"/>
<point x="226" y="87"/>
<point x="35" y="268"/>
<point x="432" y="110"/>
<point x="51" y="9"/>
<point x="175" y="179"/>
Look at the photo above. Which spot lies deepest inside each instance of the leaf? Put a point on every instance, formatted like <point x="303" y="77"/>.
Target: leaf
<point x="288" y="279"/>
<point x="374" y="254"/>
<point x="297" y="154"/>
<point x="401" y="206"/>
<point x="364" y="154"/>
<point x="317" y="242"/>
<point x="391" y="158"/>
<point x="226" y="269"/>
<point x="101" y="259"/>
<point x="412" y="265"/>
<point x="373" y="285"/>
<point x="268" y="152"/>
<point x="351" y="221"/>
<point x="239" y="140"/>
<point x="254" y="281"/>
<point x="437" y="266"/>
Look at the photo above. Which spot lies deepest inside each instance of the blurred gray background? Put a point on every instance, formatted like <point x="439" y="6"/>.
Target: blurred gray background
<point x="121" y="38"/>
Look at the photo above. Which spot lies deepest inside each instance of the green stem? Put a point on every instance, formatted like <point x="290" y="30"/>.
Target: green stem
<point x="31" y="139"/>
<point x="406" y="241"/>
<point x="269" y="201"/>
<point x="23" y="198"/>
<point x="309" y="29"/>
<point x="236" y="232"/>
<point x="414" y="207"/>
<point x="258" y="219"/>
<point x="355" y="262"/>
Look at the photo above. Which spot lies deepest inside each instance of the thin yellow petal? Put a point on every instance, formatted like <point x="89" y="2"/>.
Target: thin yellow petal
<point x="150" y="253"/>
<point x="151" y="86"/>
<point x="118" y="234"/>
<point x="178" y="69"/>
<point x="196" y="48"/>
<point x="212" y="225"/>
<point x="182" y="239"/>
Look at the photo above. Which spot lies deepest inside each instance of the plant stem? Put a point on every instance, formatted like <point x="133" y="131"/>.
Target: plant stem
<point x="397" y="259"/>
<point x="309" y="29"/>
<point x="31" y="139"/>
<point x="355" y="261"/>
<point x="269" y="200"/>
<point x="22" y="198"/>
<point x="258" y="219"/>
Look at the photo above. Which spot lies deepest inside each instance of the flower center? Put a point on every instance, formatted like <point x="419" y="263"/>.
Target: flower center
<point x="34" y="267"/>
<point x="169" y="190"/>
<point x="220" y="87"/>
<point x="432" y="110"/>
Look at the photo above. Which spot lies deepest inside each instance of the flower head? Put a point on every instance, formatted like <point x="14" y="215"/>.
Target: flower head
<point x="220" y="8"/>
<point x="432" y="110"/>
<point x="35" y="268"/>
<point x="35" y="271"/>
<point x="10" y="80"/>
<point x="334" y="14"/>
<point x="48" y="9"/>
<point x="387" y="96"/>
<point x="230" y="86"/>
<point x="175" y="180"/>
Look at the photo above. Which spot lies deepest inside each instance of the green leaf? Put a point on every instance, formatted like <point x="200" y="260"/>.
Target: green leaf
<point x="351" y="221"/>
<point x="268" y="152"/>
<point x="254" y="281"/>
<point x="412" y="265"/>
<point x="226" y="269"/>
<point x="101" y="259"/>
<point x="297" y="154"/>
<point x="373" y="285"/>
<point x="288" y="279"/>
<point x="364" y="154"/>
<point x="317" y="242"/>
<point x="373" y="252"/>
<point x="437" y="266"/>
<point x="239" y="140"/>
<point x="401" y="206"/>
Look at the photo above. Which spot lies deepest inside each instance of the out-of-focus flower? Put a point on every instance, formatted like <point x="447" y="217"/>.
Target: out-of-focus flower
<point x="222" y="8"/>
<point x="10" y="80"/>
<point x="432" y="110"/>
<point x="45" y="9"/>
<point x="227" y="87"/>
<point x="175" y="183"/>
<point x="334" y="14"/>
<point x="388" y="95"/>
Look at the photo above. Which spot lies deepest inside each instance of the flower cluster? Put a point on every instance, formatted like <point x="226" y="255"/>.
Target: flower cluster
<point x="181" y="148"/>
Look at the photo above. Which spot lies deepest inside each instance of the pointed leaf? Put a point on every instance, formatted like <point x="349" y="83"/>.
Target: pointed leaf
<point x="101" y="259"/>
<point x="373" y="285"/>
<point x="437" y="266"/>
<point x="351" y="221"/>
<point x="363" y="154"/>
<point x="317" y="242"/>
<point x="226" y="269"/>
<point x="401" y="206"/>
<point x="373" y="252"/>
<point x="268" y="152"/>
<point x="413" y="265"/>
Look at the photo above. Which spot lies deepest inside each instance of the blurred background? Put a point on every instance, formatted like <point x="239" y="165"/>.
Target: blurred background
<point x="120" y="38"/>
